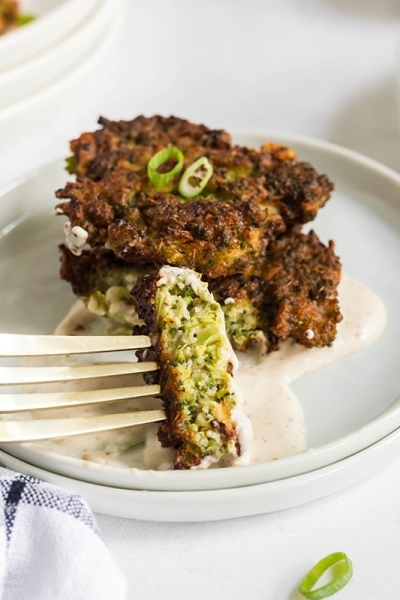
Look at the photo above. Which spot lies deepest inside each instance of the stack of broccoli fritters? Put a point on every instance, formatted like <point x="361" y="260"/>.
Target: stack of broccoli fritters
<point x="242" y="232"/>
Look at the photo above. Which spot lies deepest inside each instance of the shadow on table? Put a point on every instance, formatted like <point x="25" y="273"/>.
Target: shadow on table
<point x="371" y="125"/>
<point x="295" y="595"/>
<point x="372" y="9"/>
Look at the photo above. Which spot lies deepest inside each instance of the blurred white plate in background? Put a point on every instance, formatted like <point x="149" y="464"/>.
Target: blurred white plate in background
<point x="36" y="106"/>
<point x="31" y="75"/>
<point x="54" y="19"/>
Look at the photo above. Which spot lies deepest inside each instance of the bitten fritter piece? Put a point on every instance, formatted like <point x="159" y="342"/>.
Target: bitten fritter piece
<point x="204" y="419"/>
<point x="257" y="194"/>
<point x="247" y="316"/>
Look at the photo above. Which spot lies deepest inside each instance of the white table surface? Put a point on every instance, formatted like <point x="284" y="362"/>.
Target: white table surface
<point x="325" y="68"/>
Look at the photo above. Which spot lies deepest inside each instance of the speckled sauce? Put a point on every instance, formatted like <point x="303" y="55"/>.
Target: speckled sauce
<point x="276" y="414"/>
<point x="274" y="410"/>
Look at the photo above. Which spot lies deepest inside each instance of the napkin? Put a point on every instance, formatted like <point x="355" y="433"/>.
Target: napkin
<point x="50" y="546"/>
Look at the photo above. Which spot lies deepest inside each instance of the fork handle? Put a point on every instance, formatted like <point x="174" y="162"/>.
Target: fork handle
<point x="11" y="403"/>
<point x="38" y="429"/>
<point x="26" y="375"/>
<point x="15" y="344"/>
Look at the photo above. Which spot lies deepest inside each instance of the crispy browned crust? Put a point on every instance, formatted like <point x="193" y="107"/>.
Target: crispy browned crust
<point x="303" y="274"/>
<point x="212" y="238"/>
<point x="83" y="272"/>
<point x="94" y="270"/>
<point x="251" y="197"/>
<point x="143" y="294"/>
<point x="295" y="290"/>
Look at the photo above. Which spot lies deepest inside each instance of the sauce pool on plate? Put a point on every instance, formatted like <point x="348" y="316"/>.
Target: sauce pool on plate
<point x="276" y="414"/>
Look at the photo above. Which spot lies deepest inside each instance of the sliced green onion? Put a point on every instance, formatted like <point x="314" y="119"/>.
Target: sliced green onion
<point x="160" y="180"/>
<point x="200" y="173"/>
<point x="24" y="20"/>
<point x="71" y="165"/>
<point x="342" y="576"/>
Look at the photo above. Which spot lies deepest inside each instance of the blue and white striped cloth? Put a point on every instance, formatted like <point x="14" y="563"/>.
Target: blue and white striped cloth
<point x="50" y="546"/>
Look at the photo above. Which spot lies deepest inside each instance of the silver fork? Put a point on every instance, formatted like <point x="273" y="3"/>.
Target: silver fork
<point x="18" y="346"/>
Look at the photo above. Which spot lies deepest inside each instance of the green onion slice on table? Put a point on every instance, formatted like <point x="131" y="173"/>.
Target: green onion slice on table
<point x="159" y="180"/>
<point x="24" y="20"/>
<point x="195" y="178"/>
<point x="343" y="574"/>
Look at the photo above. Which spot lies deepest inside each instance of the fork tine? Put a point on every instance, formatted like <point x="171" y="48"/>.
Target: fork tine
<point x="24" y="375"/>
<point x="15" y="344"/>
<point x="38" y="429"/>
<point x="28" y="402"/>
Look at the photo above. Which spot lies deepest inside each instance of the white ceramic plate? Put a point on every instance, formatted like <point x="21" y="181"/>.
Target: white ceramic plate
<point x="348" y="407"/>
<point x="54" y="20"/>
<point x="31" y="75"/>
<point x="213" y="505"/>
<point x="50" y="97"/>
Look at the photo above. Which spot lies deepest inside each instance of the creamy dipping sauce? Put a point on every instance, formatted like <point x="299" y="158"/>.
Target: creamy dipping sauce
<point x="274" y="410"/>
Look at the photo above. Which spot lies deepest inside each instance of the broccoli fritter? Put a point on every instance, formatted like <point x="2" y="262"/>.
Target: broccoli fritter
<point x="95" y="271"/>
<point x="214" y="239"/>
<point x="103" y="283"/>
<point x="292" y="292"/>
<point x="251" y="198"/>
<point x="204" y="420"/>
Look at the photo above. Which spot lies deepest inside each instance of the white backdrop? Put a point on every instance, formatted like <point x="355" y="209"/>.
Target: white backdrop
<point x="325" y="68"/>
